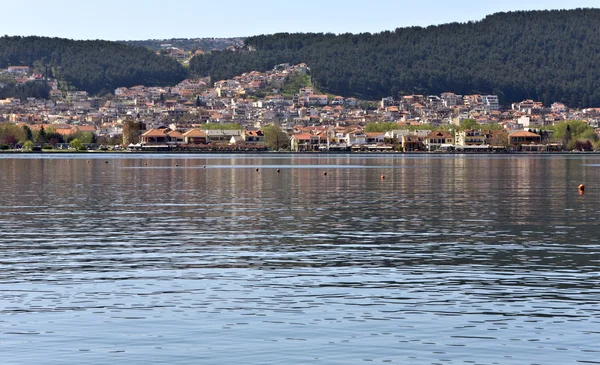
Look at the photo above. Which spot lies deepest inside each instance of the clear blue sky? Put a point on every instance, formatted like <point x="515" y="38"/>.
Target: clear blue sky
<point x="153" y="19"/>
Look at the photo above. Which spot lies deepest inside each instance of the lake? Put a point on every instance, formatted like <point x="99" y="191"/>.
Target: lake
<point x="223" y="259"/>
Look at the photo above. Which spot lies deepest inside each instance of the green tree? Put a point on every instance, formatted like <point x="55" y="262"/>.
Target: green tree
<point x="28" y="133"/>
<point x="28" y="145"/>
<point x="10" y="134"/>
<point x="86" y="137"/>
<point x="381" y="127"/>
<point x="567" y="137"/>
<point x="569" y="132"/>
<point x="41" y="136"/>
<point x="467" y="124"/>
<point x="275" y="138"/>
<point x="131" y="132"/>
<point x="213" y="126"/>
<point x="77" y="144"/>
<point x="294" y="83"/>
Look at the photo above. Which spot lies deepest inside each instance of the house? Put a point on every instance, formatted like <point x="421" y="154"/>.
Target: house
<point x="434" y="140"/>
<point x="87" y="129"/>
<point x="396" y="135"/>
<point x="434" y="102"/>
<point x="195" y="136"/>
<point x="374" y="137"/>
<point x="318" y="99"/>
<point x="413" y="143"/>
<point x="356" y="139"/>
<point x="385" y="102"/>
<point x="307" y="142"/>
<point x="470" y="137"/>
<point x="351" y="101"/>
<point x="254" y="137"/>
<point x="175" y="137"/>
<point x="517" y="139"/>
<point x="558" y="107"/>
<point x="56" y="94"/>
<point x="237" y="140"/>
<point x="337" y="100"/>
<point x="20" y="70"/>
<point x="451" y="100"/>
<point x="155" y="136"/>
<point x="222" y="136"/>
<point x="490" y="102"/>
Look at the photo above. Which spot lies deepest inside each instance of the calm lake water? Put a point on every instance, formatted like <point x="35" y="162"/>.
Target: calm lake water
<point x="448" y="260"/>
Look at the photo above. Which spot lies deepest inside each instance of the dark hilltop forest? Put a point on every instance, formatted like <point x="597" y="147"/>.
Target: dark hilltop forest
<point x="542" y="55"/>
<point x="94" y="66"/>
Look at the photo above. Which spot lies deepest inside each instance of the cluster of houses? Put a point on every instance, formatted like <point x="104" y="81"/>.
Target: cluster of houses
<point x="21" y="74"/>
<point x="473" y="140"/>
<point x="313" y="120"/>
<point x="164" y="138"/>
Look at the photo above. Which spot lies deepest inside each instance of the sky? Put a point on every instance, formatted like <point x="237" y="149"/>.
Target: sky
<point x="163" y="19"/>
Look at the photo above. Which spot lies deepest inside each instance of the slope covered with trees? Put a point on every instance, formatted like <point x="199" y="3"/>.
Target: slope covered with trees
<point x="543" y="55"/>
<point x="93" y="66"/>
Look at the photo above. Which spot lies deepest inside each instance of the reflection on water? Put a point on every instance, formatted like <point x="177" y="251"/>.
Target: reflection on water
<point x="159" y="259"/>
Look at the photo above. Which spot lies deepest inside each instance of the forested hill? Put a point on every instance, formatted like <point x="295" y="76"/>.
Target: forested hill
<point x="93" y="66"/>
<point x="543" y="55"/>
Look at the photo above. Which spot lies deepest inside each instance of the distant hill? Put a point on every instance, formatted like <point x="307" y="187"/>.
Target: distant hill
<point x="543" y="55"/>
<point x="93" y="66"/>
<point x="188" y="44"/>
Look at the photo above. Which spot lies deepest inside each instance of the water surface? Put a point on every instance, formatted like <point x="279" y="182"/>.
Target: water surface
<point x="189" y="259"/>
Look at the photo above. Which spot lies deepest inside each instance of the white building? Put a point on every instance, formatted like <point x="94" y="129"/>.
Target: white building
<point x="490" y="102"/>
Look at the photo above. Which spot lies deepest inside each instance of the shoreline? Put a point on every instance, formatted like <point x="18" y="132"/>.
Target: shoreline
<point x="125" y="152"/>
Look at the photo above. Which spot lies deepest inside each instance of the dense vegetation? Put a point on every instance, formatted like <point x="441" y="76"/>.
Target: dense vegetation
<point x="294" y="83"/>
<point x="93" y="66"/>
<point x="38" y="89"/>
<point x="543" y="55"/>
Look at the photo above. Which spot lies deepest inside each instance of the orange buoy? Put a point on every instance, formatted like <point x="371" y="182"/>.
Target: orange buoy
<point x="581" y="188"/>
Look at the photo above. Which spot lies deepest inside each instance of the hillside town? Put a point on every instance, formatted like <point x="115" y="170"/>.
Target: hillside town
<point x="238" y="114"/>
